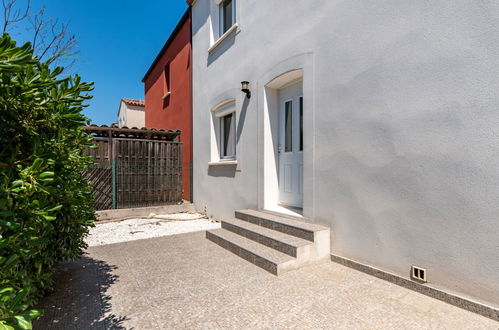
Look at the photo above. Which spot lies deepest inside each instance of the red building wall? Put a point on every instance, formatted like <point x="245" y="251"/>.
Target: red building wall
<point x="175" y="110"/>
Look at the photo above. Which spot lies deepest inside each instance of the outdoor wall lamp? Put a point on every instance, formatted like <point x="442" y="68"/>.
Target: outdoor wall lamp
<point x="245" y="88"/>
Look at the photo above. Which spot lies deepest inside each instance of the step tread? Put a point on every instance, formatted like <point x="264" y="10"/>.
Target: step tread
<point x="256" y="248"/>
<point x="283" y="220"/>
<point x="270" y="233"/>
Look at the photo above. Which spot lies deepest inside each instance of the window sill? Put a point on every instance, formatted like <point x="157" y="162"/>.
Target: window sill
<point x="223" y="162"/>
<point x="224" y="36"/>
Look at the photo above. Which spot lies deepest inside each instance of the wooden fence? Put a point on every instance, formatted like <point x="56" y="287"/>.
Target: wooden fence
<point x="131" y="172"/>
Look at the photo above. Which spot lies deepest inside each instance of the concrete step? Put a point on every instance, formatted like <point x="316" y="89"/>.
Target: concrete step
<point x="290" y="245"/>
<point x="264" y="257"/>
<point x="301" y="229"/>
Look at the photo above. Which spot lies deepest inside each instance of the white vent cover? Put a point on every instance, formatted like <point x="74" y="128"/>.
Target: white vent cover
<point x="419" y="273"/>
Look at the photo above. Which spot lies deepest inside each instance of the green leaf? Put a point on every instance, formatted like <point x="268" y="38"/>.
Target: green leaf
<point x="15" y="304"/>
<point x="3" y="243"/>
<point x="16" y="183"/>
<point x="49" y="217"/>
<point x="5" y="326"/>
<point x="46" y="174"/>
<point x="32" y="313"/>
<point x="5" y="214"/>
<point x="6" y="290"/>
<point x="55" y="208"/>
<point x="11" y="260"/>
<point x="37" y="164"/>
<point x="23" y="322"/>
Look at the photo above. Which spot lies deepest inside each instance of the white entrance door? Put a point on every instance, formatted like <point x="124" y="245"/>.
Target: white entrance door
<point x="291" y="145"/>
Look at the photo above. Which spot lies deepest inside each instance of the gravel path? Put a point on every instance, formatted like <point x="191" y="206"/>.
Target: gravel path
<point x="159" y="225"/>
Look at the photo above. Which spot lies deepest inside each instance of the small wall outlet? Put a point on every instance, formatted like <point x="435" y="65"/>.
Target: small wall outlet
<point x="418" y="273"/>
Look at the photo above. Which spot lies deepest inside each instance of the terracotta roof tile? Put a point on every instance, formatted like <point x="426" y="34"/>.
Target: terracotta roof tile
<point x="137" y="103"/>
<point x="133" y="133"/>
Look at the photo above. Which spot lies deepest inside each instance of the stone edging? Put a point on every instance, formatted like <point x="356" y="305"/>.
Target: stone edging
<point x="469" y="305"/>
<point x="144" y="211"/>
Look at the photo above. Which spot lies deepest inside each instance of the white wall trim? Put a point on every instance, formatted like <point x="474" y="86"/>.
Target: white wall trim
<point x="223" y="163"/>
<point x="224" y="37"/>
<point x="290" y="70"/>
<point x="225" y="97"/>
<point x="223" y="104"/>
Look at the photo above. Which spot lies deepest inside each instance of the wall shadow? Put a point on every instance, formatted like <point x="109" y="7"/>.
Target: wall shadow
<point x="242" y="118"/>
<point x="228" y="171"/>
<point x="79" y="300"/>
<point x="166" y="102"/>
<point x="222" y="48"/>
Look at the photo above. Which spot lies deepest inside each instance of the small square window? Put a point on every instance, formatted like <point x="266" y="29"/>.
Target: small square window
<point x="228" y="136"/>
<point x="227" y="15"/>
<point x="167" y="88"/>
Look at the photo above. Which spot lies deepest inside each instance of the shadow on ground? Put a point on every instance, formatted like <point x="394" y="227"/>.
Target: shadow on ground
<point x="80" y="300"/>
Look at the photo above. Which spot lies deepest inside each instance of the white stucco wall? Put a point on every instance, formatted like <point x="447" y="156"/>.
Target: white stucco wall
<point x="131" y="116"/>
<point x="402" y="127"/>
<point x="122" y="114"/>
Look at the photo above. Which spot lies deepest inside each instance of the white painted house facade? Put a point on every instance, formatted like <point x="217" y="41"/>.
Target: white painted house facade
<point x="131" y="113"/>
<point x="378" y="119"/>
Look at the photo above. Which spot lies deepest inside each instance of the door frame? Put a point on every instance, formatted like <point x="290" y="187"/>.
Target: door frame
<point x="291" y="92"/>
<point x="295" y="68"/>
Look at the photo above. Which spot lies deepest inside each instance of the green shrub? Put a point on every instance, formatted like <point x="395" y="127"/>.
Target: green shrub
<point x="45" y="204"/>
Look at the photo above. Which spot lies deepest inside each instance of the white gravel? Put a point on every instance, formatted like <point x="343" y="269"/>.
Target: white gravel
<point x="156" y="226"/>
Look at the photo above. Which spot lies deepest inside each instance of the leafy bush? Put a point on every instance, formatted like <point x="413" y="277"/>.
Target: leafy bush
<point x="45" y="204"/>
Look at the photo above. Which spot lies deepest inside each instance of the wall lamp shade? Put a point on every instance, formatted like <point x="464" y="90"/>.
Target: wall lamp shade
<point x="245" y="88"/>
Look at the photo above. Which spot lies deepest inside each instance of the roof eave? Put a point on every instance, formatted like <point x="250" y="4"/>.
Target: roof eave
<point x="168" y="42"/>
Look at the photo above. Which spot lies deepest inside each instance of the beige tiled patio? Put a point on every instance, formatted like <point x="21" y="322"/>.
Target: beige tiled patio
<point x="185" y="281"/>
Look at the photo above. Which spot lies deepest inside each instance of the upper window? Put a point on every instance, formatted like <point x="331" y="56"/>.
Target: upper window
<point x="167" y="88"/>
<point x="227" y="15"/>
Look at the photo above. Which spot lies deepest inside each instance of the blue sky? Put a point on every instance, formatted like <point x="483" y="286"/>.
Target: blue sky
<point x="118" y="40"/>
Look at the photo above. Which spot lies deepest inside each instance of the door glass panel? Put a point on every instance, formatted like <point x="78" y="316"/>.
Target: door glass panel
<point x="301" y="123"/>
<point x="288" y="126"/>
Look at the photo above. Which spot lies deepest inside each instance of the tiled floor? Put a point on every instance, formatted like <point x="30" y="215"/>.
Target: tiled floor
<point x="188" y="282"/>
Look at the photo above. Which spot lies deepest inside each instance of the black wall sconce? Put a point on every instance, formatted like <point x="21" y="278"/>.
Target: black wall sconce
<point x="245" y="88"/>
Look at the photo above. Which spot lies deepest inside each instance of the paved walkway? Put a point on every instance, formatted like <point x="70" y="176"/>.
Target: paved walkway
<point x="185" y="281"/>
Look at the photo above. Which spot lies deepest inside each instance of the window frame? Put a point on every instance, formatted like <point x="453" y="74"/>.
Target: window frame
<point x="223" y="109"/>
<point x="167" y="87"/>
<point x="221" y="17"/>
<point x="222" y="143"/>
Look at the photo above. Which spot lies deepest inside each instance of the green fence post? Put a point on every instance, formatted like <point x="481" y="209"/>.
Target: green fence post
<point x="190" y="182"/>
<point x="113" y="170"/>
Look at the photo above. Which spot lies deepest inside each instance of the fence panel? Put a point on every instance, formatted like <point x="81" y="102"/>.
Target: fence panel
<point x="135" y="172"/>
